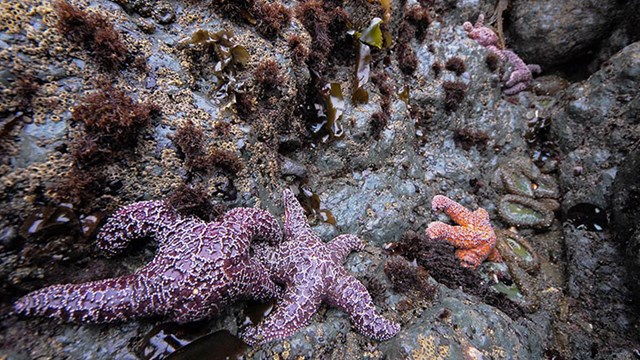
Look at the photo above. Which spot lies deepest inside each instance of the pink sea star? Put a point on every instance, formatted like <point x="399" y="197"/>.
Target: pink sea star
<point x="312" y="272"/>
<point x="199" y="268"/>
<point x="522" y="73"/>
<point x="474" y="239"/>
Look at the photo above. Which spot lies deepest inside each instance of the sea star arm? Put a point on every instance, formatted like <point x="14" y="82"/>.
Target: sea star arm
<point x="497" y="51"/>
<point x="472" y="258"/>
<point x="295" y="219"/>
<point x="256" y="283"/>
<point x="101" y="301"/>
<point x="459" y="236"/>
<point x="455" y="211"/>
<point x="259" y="224"/>
<point x="348" y="294"/>
<point x="291" y="313"/>
<point x="494" y="256"/>
<point x="534" y="68"/>
<point x="135" y="221"/>
<point x="515" y="88"/>
<point x="343" y="245"/>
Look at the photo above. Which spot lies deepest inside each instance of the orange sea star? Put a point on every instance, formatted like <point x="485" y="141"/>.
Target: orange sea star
<point x="474" y="239"/>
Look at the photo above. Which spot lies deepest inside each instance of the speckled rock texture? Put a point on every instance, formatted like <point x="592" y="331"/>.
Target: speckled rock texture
<point x="551" y="33"/>
<point x="606" y="103"/>
<point x="444" y="132"/>
<point x="625" y="200"/>
<point x="452" y="329"/>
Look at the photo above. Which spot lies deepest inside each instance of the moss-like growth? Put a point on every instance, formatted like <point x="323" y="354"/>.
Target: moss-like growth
<point x="111" y="119"/>
<point x="15" y="102"/>
<point x="375" y="287"/>
<point x="78" y="186"/>
<point x="436" y="67"/>
<point x="454" y="93"/>
<point x="190" y="140"/>
<point x="25" y="88"/>
<point x="493" y="61"/>
<point x="467" y="138"/>
<point x="437" y="257"/>
<point x="192" y="200"/>
<point x="408" y="278"/>
<point x="328" y="27"/>
<point x="93" y="31"/>
<point x="381" y="80"/>
<point x="267" y="76"/>
<point x="273" y="17"/>
<point x="419" y="17"/>
<point x="456" y="64"/>
<point x="298" y="49"/>
<point x="244" y="104"/>
<point x="414" y="26"/>
<point x="226" y="160"/>
<point x="269" y="17"/>
<point x="407" y="59"/>
<point x="377" y="123"/>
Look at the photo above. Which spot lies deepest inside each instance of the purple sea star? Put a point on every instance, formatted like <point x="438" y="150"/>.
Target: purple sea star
<point x="312" y="272"/>
<point x="198" y="269"/>
<point x="522" y="73"/>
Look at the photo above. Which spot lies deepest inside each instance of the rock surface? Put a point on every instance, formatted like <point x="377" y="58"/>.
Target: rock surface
<point x="551" y="33"/>
<point x="582" y="134"/>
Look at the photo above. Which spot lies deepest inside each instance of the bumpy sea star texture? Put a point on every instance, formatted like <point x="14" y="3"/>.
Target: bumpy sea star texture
<point x="522" y="73"/>
<point x="312" y="272"/>
<point x="474" y="239"/>
<point x="198" y="269"/>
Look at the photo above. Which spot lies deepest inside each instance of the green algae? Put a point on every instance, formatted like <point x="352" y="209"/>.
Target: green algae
<point x="371" y="36"/>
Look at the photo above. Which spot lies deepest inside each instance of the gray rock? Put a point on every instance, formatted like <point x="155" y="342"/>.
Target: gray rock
<point x="292" y="167"/>
<point x="625" y="202"/>
<point x="550" y="33"/>
<point x="378" y="206"/>
<point x="456" y="327"/>
<point x="36" y="141"/>
<point x="596" y="128"/>
<point x="597" y="283"/>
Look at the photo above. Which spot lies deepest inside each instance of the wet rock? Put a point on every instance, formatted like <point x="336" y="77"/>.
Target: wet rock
<point x="376" y="205"/>
<point x="625" y="201"/>
<point x="597" y="283"/>
<point x="551" y="33"/>
<point x="602" y="104"/>
<point x="549" y="85"/>
<point x="375" y="187"/>
<point x="9" y="238"/>
<point x="292" y="167"/>
<point x="456" y="327"/>
<point x="36" y="141"/>
<point x="78" y="341"/>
